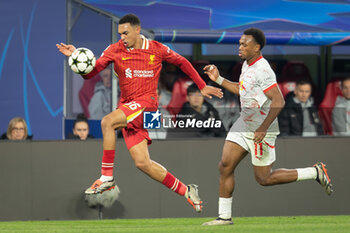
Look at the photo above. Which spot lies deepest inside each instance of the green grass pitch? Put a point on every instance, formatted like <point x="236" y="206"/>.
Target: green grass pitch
<point x="302" y="224"/>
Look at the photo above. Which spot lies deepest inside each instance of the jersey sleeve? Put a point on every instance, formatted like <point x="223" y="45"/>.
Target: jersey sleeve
<point x="267" y="80"/>
<point x="101" y="63"/>
<point x="172" y="57"/>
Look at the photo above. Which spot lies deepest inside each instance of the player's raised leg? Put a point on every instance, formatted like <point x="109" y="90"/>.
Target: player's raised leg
<point x="265" y="176"/>
<point x="232" y="155"/>
<point x="264" y="154"/>
<point x="111" y="122"/>
<point x="142" y="160"/>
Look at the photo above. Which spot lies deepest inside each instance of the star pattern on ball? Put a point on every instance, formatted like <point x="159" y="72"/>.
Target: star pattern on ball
<point x="89" y="61"/>
<point x="83" y="51"/>
<point x="82" y="61"/>
<point x="75" y="61"/>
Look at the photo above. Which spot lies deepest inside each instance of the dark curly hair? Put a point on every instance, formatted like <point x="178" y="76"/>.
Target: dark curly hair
<point x="130" y="18"/>
<point x="258" y="36"/>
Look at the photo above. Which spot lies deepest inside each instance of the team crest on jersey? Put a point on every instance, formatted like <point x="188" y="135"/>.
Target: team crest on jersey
<point x="151" y="59"/>
<point x="128" y="73"/>
<point x="241" y="87"/>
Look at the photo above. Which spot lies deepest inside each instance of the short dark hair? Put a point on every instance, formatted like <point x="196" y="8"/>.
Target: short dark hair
<point x="130" y="18"/>
<point x="81" y="118"/>
<point x="192" y="89"/>
<point x="258" y="36"/>
<point x="303" y="82"/>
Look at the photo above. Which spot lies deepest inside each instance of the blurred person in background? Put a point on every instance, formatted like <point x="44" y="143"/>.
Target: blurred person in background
<point x="299" y="116"/>
<point x="101" y="102"/>
<point x="80" y="129"/>
<point x="168" y="76"/>
<point x="162" y="132"/>
<point x="228" y="108"/>
<point x="198" y="108"/>
<point x="17" y="130"/>
<point x="341" y="110"/>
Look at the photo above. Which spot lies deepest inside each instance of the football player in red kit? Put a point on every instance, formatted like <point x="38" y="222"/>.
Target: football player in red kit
<point x="138" y="62"/>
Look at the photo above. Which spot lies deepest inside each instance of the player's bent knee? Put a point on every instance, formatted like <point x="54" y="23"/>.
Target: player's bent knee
<point x="108" y="122"/>
<point x="143" y="165"/>
<point x="264" y="181"/>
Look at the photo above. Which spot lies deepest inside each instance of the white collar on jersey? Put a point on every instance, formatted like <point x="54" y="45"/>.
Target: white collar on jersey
<point x="145" y="43"/>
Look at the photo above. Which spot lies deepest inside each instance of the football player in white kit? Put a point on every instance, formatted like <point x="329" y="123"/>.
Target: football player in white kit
<point x="256" y="129"/>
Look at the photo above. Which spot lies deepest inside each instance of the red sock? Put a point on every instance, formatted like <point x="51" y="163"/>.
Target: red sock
<point x="174" y="184"/>
<point x="108" y="162"/>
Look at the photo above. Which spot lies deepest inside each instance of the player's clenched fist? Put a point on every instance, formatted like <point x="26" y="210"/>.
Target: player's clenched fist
<point x="212" y="71"/>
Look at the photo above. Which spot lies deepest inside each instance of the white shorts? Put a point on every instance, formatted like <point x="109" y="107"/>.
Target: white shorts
<point x="262" y="154"/>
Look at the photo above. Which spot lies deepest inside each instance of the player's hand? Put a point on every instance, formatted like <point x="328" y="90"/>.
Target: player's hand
<point x="212" y="71"/>
<point x="209" y="91"/>
<point x="66" y="49"/>
<point x="259" y="135"/>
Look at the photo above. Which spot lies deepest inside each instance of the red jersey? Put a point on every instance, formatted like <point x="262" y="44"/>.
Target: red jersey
<point x="138" y="70"/>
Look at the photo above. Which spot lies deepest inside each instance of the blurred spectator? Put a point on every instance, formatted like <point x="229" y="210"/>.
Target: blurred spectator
<point x="179" y="87"/>
<point x="168" y="77"/>
<point x="80" y="129"/>
<point x="341" y="111"/>
<point x="101" y="102"/>
<point x="299" y="116"/>
<point x="86" y="92"/>
<point x="293" y="72"/>
<point x="162" y="132"/>
<point x="227" y="107"/>
<point x="17" y="130"/>
<point x="202" y="111"/>
<point x="178" y="97"/>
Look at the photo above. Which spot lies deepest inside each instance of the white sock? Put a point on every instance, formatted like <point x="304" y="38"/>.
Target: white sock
<point x="225" y="206"/>
<point x="309" y="173"/>
<point x="106" y="178"/>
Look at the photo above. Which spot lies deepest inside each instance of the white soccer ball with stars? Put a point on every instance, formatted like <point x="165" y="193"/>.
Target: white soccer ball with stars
<point x="82" y="61"/>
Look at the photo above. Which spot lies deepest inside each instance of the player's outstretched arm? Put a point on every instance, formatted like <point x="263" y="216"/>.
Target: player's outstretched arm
<point x="213" y="73"/>
<point x="209" y="91"/>
<point x="66" y="50"/>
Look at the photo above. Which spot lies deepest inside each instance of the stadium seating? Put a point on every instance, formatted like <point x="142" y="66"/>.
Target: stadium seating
<point x="179" y="90"/>
<point x="325" y="111"/>
<point x="294" y="71"/>
<point x="178" y="97"/>
<point x="286" y="87"/>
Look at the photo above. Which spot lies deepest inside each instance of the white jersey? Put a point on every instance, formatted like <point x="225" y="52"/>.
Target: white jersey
<point x="255" y="80"/>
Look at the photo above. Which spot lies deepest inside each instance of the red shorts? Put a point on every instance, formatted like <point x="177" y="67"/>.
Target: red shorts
<point x="134" y="133"/>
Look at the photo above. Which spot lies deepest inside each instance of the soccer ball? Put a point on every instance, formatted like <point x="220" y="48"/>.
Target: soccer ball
<point x="105" y="199"/>
<point x="82" y="61"/>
